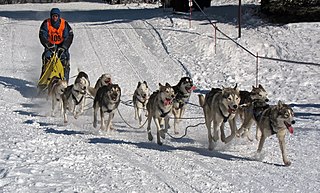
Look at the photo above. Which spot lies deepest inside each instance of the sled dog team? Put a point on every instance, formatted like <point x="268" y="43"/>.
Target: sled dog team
<point x="220" y="106"/>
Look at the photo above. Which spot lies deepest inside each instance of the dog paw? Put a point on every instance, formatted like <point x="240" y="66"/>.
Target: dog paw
<point x="287" y="163"/>
<point x="162" y="133"/>
<point x="150" y="137"/>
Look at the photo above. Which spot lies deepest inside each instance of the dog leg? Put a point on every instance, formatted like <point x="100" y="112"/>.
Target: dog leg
<point x="53" y="106"/>
<point x="177" y="116"/>
<point x="95" y="111"/>
<point x="139" y="115"/>
<point x="233" y="128"/>
<point x="102" y="127"/>
<point x="281" y="136"/>
<point x="261" y="142"/>
<point x="65" y="106"/>
<point x="210" y="138"/>
<point x="150" y="137"/>
<point x="156" y="122"/>
<point x="109" y="123"/>
<point x="223" y="136"/>
<point x="216" y="133"/>
<point x="258" y="133"/>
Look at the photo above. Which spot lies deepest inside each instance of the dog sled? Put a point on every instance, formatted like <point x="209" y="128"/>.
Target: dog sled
<point x="53" y="68"/>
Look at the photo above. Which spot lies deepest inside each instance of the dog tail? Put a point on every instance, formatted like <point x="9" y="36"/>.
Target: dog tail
<point x="92" y="91"/>
<point x="201" y="100"/>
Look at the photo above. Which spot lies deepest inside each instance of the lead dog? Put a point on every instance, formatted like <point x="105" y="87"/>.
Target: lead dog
<point x="277" y="119"/>
<point x="183" y="92"/>
<point x="220" y="106"/>
<point x="140" y="100"/>
<point x="103" y="80"/>
<point x="56" y="88"/>
<point x="159" y="106"/>
<point x="106" y="100"/>
<point x="74" y="96"/>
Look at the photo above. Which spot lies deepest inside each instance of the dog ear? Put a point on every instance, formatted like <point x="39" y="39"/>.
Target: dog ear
<point x="280" y="103"/>
<point x="260" y="86"/>
<point x="235" y="87"/>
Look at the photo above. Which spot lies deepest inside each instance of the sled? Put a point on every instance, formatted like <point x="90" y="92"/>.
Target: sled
<point x="53" y="68"/>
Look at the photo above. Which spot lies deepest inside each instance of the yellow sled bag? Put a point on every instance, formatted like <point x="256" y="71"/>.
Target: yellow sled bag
<point x="53" y="68"/>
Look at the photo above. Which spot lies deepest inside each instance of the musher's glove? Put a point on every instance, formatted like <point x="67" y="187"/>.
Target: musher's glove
<point x="60" y="52"/>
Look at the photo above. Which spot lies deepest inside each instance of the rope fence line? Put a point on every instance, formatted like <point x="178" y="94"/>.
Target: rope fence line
<point x="247" y="50"/>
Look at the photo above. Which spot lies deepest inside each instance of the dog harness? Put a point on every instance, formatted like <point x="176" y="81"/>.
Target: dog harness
<point x="225" y="119"/>
<point x="69" y="92"/>
<point x="142" y="102"/>
<point x="55" y="35"/>
<point x="180" y="99"/>
<point x="163" y="114"/>
<point x="268" y="113"/>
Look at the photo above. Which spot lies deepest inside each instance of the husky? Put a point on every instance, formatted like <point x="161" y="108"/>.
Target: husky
<point x="107" y="100"/>
<point x="220" y="106"/>
<point x="104" y="79"/>
<point x="183" y="92"/>
<point x="140" y="100"/>
<point x="277" y="119"/>
<point x="74" y="96"/>
<point x="258" y="96"/>
<point x="56" y="89"/>
<point x="159" y="106"/>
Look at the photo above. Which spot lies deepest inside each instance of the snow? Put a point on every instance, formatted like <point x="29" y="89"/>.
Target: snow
<point x="144" y="42"/>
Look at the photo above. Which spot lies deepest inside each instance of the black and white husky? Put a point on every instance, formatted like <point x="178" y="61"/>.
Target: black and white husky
<point x="183" y="92"/>
<point x="106" y="100"/>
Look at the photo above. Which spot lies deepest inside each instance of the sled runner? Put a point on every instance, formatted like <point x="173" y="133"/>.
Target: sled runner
<point x="53" y="68"/>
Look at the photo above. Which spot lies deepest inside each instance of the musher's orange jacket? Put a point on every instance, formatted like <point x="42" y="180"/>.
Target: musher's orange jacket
<point x="55" y="36"/>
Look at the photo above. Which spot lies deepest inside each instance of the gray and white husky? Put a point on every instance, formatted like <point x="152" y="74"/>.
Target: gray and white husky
<point x="75" y="95"/>
<point x="250" y="101"/>
<point x="220" y="106"/>
<point x="103" y="80"/>
<point x="140" y="100"/>
<point x="183" y="92"/>
<point x="277" y="119"/>
<point x="107" y="100"/>
<point x="159" y="107"/>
